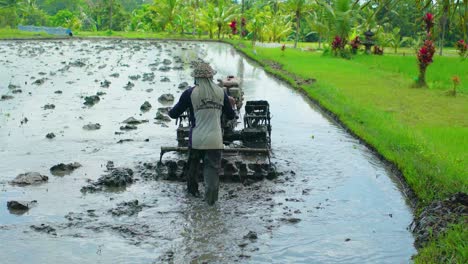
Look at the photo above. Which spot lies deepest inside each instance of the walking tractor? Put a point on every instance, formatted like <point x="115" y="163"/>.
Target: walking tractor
<point x="247" y="150"/>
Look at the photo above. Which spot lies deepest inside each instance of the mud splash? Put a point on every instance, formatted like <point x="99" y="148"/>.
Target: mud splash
<point x="335" y="202"/>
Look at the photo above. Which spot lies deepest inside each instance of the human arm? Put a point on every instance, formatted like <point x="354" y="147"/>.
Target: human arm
<point x="227" y="108"/>
<point x="182" y="105"/>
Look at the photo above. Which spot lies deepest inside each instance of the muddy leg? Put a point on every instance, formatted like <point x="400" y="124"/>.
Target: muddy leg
<point x="211" y="163"/>
<point x="193" y="170"/>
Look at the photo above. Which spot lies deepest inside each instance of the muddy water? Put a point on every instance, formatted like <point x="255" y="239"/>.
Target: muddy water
<point x="335" y="203"/>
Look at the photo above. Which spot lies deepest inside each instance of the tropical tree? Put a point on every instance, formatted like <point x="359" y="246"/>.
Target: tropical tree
<point x="395" y="40"/>
<point x="298" y="8"/>
<point x="167" y="11"/>
<point x="223" y="14"/>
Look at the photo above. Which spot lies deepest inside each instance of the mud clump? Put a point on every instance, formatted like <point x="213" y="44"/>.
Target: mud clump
<point x="17" y="91"/>
<point x="117" y="177"/>
<point x="92" y="126"/>
<point x="128" y="127"/>
<point x="129" y="86"/>
<point x="49" y="106"/>
<point x="105" y="84"/>
<point x="436" y="217"/>
<point x="134" y="121"/>
<point x="20" y="207"/>
<point x="162" y="115"/>
<point x="39" y="81"/>
<point x="146" y="106"/>
<point x="64" y="169"/>
<point x="166" y="98"/>
<point x="165" y="79"/>
<point x="43" y="228"/>
<point x="148" y="77"/>
<point x="29" y="178"/>
<point x="134" y="77"/>
<point x="251" y="235"/>
<point x="50" y="135"/>
<point x="164" y="68"/>
<point x="183" y="85"/>
<point x="127" y="208"/>
<point x="6" y="97"/>
<point x="91" y="100"/>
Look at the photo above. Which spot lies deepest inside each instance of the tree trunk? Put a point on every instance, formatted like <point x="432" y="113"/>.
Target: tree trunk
<point x="442" y="37"/>
<point x="242" y="16"/>
<point x="298" y="27"/>
<point x="110" y="14"/>
<point x="219" y="31"/>
<point x="422" y="78"/>
<point x="320" y="41"/>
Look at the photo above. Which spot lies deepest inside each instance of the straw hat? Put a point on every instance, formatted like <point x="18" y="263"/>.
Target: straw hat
<point x="203" y="70"/>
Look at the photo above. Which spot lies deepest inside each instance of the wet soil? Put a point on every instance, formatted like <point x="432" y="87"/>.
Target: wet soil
<point x="331" y="204"/>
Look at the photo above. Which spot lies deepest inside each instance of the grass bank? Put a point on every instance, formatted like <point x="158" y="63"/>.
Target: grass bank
<point x="7" y="33"/>
<point x="423" y="131"/>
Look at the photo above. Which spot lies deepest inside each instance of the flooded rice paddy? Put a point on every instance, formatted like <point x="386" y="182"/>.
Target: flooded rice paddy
<point x="335" y="201"/>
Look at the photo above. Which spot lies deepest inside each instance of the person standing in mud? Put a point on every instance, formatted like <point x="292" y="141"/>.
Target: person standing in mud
<point x="206" y="102"/>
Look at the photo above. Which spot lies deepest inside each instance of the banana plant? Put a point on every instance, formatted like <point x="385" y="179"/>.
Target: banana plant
<point x="394" y="39"/>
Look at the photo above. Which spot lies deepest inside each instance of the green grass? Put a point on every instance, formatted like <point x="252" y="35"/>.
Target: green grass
<point x="6" y="33"/>
<point x="452" y="247"/>
<point x="423" y="131"/>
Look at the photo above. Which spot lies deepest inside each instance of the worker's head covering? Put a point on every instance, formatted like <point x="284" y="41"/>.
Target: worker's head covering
<point x="207" y="91"/>
<point x="203" y="70"/>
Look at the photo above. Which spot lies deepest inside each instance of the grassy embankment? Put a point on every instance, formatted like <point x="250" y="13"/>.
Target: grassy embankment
<point x="421" y="130"/>
<point x="6" y="33"/>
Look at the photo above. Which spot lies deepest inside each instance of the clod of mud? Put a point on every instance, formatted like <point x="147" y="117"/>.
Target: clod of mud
<point x="50" y="135"/>
<point x="91" y="100"/>
<point x="77" y="63"/>
<point x="166" y="98"/>
<point x="13" y="87"/>
<point x="105" y="84"/>
<point x="6" y="97"/>
<point x="149" y="90"/>
<point x="291" y="220"/>
<point x="92" y="126"/>
<point x="162" y="115"/>
<point x="124" y="140"/>
<point x="64" y="169"/>
<point x="148" y="77"/>
<point x="29" y="178"/>
<point x="183" y="85"/>
<point x="146" y="106"/>
<point x="115" y="75"/>
<point x="100" y="93"/>
<point x="165" y="79"/>
<point x="49" y="106"/>
<point x="167" y="62"/>
<point x="251" y="235"/>
<point x="43" y="228"/>
<point x="39" y="81"/>
<point x="134" y="77"/>
<point x="117" y="177"/>
<point x="128" y="127"/>
<point x="129" y="86"/>
<point x="134" y="121"/>
<point x="127" y="208"/>
<point x="24" y="121"/>
<point x="58" y="92"/>
<point x="17" y="91"/>
<point x="436" y="217"/>
<point x="20" y="207"/>
<point x="164" y="68"/>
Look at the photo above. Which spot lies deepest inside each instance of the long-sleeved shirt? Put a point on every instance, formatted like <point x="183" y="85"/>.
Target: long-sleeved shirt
<point x="205" y="132"/>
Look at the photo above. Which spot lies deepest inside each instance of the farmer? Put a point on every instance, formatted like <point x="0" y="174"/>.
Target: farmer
<point x="206" y="102"/>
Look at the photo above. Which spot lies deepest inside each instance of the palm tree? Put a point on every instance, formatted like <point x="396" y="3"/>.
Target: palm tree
<point x="298" y="8"/>
<point x="223" y="13"/>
